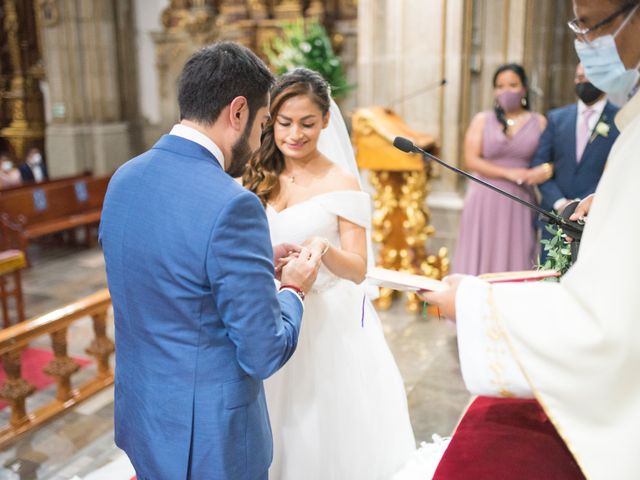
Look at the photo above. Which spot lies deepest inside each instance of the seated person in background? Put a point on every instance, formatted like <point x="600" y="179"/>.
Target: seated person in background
<point x="33" y="169"/>
<point x="9" y="175"/>
<point x="576" y="143"/>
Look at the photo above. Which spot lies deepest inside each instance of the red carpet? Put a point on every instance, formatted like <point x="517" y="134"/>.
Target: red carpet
<point x="500" y="438"/>
<point x="33" y="362"/>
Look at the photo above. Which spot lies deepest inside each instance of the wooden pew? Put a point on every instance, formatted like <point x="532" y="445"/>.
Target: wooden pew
<point x="30" y="214"/>
<point x="11" y="262"/>
<point x="46" y="184"/>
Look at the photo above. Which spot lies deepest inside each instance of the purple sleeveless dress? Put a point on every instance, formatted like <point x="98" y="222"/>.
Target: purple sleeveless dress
<point x="497" y="234"/>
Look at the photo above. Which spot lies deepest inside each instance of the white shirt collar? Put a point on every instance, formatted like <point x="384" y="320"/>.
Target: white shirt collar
<point x="597" y="107"/>
<point x="200" y="138"/>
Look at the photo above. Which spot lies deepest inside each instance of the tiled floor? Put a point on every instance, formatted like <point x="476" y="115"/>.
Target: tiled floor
<point x="82" y="440"/>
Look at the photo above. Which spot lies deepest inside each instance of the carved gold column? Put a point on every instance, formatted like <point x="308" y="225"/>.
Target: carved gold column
<point x="235" y="23"/>
<point x="401" y="182"/>
<point x="26" y="113"/>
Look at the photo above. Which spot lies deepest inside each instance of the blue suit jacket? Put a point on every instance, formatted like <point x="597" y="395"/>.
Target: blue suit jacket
<point x="197" y="318"/>
<point x="558" y="146"/>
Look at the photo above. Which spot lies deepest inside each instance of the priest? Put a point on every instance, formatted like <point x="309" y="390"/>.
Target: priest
<point x="575" y="345"/>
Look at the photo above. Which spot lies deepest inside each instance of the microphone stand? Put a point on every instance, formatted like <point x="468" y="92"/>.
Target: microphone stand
<point x="571" y="228"/>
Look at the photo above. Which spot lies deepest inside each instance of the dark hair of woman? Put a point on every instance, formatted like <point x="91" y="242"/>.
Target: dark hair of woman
<point x="519" y="71"/>
<point x="262" y="173"/>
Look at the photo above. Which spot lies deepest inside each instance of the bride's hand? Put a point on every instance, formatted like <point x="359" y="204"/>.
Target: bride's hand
<point x="283" y="254"/>
<point x="318" y="245"/>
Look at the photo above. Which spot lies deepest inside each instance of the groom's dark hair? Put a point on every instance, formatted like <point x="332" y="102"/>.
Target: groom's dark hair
<point x="217" y="74"/>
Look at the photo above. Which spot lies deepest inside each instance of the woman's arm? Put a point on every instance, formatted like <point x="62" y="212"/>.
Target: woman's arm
<point x="473" y="155"/>
<point x="349" y="259"/>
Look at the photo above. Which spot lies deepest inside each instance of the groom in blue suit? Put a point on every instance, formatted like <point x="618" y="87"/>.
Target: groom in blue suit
<point x="190" y="268"/>
<point x="576" y="143"/>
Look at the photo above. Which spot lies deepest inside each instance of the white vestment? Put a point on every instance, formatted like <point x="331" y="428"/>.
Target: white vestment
<point x="574" y="345"/>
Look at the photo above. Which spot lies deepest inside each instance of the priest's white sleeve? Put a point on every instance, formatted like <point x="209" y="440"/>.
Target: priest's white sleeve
<point x="488" y="367"/>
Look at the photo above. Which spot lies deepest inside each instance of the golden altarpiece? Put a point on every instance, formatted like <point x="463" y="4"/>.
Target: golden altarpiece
<point x="190" y="24"/>
<point x="21" y="69"/>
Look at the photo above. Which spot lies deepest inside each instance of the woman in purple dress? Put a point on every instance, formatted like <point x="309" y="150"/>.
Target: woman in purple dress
<point x="497" y="234"/>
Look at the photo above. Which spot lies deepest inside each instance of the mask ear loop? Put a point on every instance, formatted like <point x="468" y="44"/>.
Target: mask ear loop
<point x="626" y="20"/>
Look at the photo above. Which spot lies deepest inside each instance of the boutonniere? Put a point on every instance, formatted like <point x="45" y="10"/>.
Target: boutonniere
<point x="602" y="129"/>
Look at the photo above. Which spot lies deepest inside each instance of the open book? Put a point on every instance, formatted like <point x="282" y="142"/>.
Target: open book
<point x="412" y="283"/>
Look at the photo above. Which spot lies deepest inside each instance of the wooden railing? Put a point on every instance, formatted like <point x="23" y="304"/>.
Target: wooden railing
<point x="15" y="339"/>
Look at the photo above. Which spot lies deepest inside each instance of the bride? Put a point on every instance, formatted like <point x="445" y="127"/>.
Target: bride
<point x="338" y="408"/>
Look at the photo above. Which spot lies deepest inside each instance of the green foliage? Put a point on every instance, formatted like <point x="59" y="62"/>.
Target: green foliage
<point x="558" y="251"/>
<point x="308" y="46"/>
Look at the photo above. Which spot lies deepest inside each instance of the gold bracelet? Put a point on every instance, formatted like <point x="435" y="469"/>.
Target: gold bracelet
<point x="548" y="170"/>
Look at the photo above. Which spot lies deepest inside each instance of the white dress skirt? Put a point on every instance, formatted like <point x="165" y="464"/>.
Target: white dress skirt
<point x="338" y="408"/>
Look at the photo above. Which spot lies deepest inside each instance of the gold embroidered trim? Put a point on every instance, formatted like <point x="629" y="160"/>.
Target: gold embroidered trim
<point x="494" y="308"/>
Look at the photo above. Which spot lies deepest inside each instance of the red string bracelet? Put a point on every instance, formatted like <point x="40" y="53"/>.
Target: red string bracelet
<point x="298" y="290"/>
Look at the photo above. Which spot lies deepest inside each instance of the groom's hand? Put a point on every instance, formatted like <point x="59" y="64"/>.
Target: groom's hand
<point x="302" y="270"/>
<point x="283" y="254"/>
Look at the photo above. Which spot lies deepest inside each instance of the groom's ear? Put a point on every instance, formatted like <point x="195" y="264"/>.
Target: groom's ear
<point x="238" y="113"/>
<point x="325" y="119"/>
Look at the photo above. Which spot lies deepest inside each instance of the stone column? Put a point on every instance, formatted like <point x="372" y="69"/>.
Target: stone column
<point x="405" y="50"/>
<point x="91" y="75"/>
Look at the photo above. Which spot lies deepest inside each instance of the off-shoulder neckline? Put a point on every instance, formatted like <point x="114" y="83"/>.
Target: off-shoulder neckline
<point x="311" y="198"/>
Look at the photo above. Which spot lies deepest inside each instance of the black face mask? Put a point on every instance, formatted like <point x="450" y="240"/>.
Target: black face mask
<point x="587" y="92"/>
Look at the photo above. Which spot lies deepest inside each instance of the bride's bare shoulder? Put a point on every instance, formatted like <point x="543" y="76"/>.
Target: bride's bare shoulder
<point x="341" y="179"/>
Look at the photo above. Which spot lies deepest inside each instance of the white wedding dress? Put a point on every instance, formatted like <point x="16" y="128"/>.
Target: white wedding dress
<point x="338" y="408"/>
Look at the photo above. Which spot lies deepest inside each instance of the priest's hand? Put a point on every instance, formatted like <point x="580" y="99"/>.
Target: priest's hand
<point x="445" y="300"/>
<point x="582" y="210"/>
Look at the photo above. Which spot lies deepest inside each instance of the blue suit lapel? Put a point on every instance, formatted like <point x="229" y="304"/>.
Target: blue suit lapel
<point x="186" y="148"/>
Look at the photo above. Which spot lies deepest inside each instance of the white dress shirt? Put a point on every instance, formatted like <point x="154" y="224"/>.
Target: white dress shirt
<point x="597" y="108"/>
<point x="200" y="138"/>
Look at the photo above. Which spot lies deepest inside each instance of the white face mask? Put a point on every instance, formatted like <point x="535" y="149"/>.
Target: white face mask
<point x="6" y="165"/>
<point x="602" y="63"/>
<point x="35" y="159"/>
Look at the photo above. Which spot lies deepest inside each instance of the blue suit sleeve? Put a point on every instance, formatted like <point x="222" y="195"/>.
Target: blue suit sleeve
<point x="549" y="190"/>
<point x="263" y="325"/>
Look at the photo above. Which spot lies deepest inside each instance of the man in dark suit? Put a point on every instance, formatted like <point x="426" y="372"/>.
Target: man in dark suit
<point x="576" y="143"/>
<point x="33" y="170"/>
<point x="199" y="323"/>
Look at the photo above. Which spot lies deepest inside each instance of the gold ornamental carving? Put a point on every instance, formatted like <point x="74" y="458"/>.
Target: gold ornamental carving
<point x="49" y="13"/>
<point x="401" y="185"/>
<point x="23" y="98"/>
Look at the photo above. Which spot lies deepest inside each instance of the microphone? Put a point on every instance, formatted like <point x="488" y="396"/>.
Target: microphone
<point x="572" y="229"/>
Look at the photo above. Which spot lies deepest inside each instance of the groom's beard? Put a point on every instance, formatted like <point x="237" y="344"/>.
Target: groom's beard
<point x="240" y="155"/>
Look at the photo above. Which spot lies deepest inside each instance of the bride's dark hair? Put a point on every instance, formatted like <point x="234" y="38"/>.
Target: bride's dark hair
<point x="262" y="172"/>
